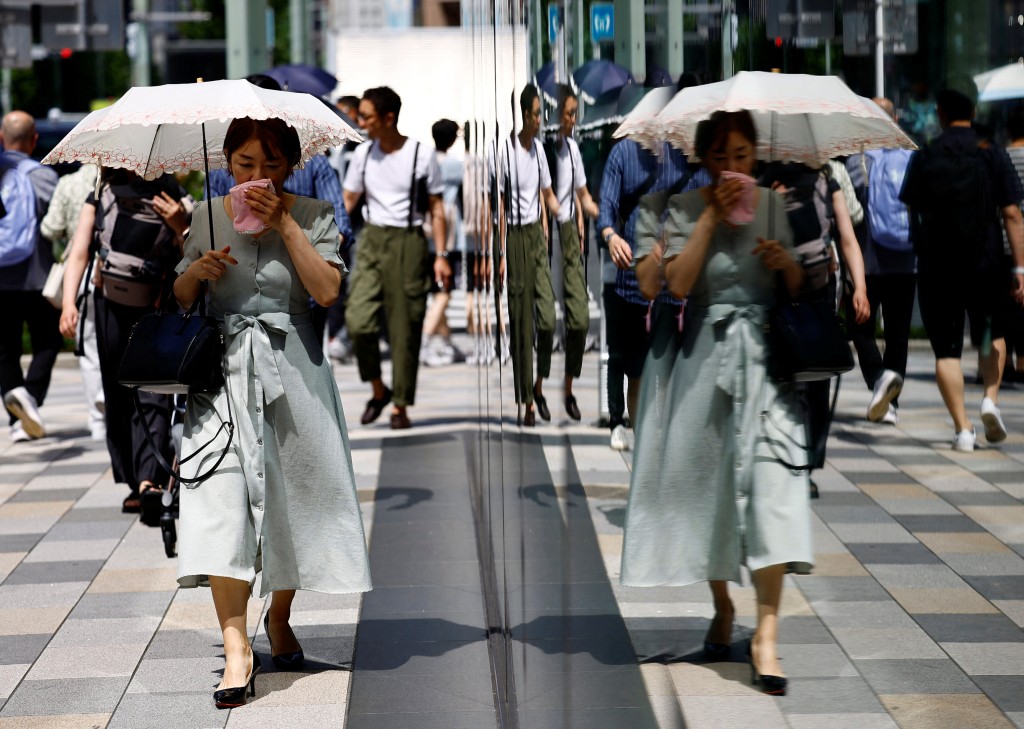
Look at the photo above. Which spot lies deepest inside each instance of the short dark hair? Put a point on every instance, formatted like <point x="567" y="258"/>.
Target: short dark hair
<point x="1015" y="122"/>
<point x="263" y="81"/>
<point x="526" y="98"/>
<point x="274" y="136"/>
<point x="348" y="100"/>
<point x="565" y="93"/>
<point x="688" y="79"/>
<point x="954" y="105"/>
<point x="445" y="132"/>
<point x="385" y="101"/>
<point x="714" y="130"/>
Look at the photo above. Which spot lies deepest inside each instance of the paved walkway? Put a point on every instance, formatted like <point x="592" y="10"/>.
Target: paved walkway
<point x="912" y="618"/>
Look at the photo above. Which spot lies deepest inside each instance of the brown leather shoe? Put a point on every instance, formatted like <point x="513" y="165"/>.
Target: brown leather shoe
<point x="572" y="408"/>
<point x="374" y="407"/>
<point x="400" y="421"/>
<point x="542" y="406"/>
<point x="530" y="419"/>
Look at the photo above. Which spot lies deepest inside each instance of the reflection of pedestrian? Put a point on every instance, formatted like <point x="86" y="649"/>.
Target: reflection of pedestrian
<point x="283" y="502"/>
<point x="573" y="201"/>
<point x="401" y="181"/>
<point x="524" y="182"/>
<point x="59" y="226"/>
<point x="25" y="260"/>
<point x="725" y="497"/>
<point x="957" y="188"/>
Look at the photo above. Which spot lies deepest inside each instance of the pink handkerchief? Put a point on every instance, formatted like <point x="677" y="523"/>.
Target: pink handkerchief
<point x="245" y="219"/>
<point x="743" y="213"/>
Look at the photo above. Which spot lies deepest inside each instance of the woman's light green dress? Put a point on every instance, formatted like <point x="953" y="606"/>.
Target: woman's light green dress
<point x="719" y="497"/>
<point x="283" y="502"/>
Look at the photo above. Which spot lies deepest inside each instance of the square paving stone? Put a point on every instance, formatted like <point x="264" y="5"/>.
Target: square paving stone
<point x="917" y="576"/>
<point x="939" y="523"/>
<point x="168" y="711"/>
<point x="1006" y="692"/>
<point x="970" y="628"/>
<point x="123" y="605"/>
<point x="832" y="695"/>
<point x="915" y="676"/>
<point x="65" y="696"/>
<point x="803" y="629"/>
<point x="944" y="711"/>
<point x="985" y="564"/>
<point x="872" y="533"/>
<point x="27" y="495"/>
<point x="46" y="572"/>
<point x="18" y="542"/>
<point x="988" y="659"/>
<point x="842" y="589"/>
<point x="899" y="553"/>
<point x="22" y="648"/>
<point x="979" y="498"/>
<point x="1001" y="587"/>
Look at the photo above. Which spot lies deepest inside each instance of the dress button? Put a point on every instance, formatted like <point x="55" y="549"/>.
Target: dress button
<point x="259" y="441"/>
<point x="258" y="411"/>
<point x="259" y="475"/>
<point x="252" y="265"/>
<point x="259" y="507"/>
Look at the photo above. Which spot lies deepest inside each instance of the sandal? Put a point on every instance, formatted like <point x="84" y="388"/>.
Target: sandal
<point x="131" y="504"/>
<point x="151" y="503"/>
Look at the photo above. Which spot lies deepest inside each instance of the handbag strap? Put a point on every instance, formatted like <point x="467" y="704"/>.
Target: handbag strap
<point x="228" y="424"/>
<point x="83" y="308"/>
<point x="766" y="415"/>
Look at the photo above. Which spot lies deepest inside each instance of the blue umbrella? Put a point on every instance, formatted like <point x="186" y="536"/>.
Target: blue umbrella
<point x="545" y="81"/>
<point x="303" y="78"/>
<point x="658" y="76"/>
<point x="597" y="78"/>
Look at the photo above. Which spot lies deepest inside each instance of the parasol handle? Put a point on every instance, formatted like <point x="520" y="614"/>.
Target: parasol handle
<point x="206" y="169"/>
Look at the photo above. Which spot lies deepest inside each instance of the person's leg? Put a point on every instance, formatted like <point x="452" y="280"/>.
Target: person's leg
<point x="950" y="377"/>
<point x="230" y="597"/>
<point x="577" y="313"/>
<point x="720" y="630"/>
<point x="943" y="305"/>
<point x="92" y="379"/>
<point x="615" y="323"/>
<point x="544" y="311"/>
<point x="632" y="398"/>
<point x="362" y="314"/>
<point x="117" y="399"/>
<point x="12" y="323"/>
<point x="520" y="315"/>
<point x="768" y="588"/>
<point x="279" y="612"/>
<point x="406" y="280"/>
<point x="863" y="335"/>
<point x="992" y="368"/>
<point x="896" y="294"/>
<point x="44" y="332"/>
<point x="153" y="423"/>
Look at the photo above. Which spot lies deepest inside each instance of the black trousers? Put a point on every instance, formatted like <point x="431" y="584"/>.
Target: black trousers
<point x="20" y="308"/>
<point x="628" y="343"/>
<point x="895" y="294"/>
<point x="131" y="456"/>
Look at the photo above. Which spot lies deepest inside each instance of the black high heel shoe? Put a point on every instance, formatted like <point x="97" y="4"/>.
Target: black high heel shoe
<point x="285" y="661"/>
<point x="231" y="698"/>
<point x="771" y="685"/>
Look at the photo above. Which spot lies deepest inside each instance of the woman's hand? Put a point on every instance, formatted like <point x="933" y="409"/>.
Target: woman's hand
<point x="773" y="256"/>
<point x="724" y="197"/>
<point x="861" y="306"/>
<point x="267" y="206"/>
<point x="69" y="321"/>
<point x="172" y="211"/>
<point x="212" y="265"/>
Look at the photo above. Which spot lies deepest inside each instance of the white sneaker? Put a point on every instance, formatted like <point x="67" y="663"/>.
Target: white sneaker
<point x="964" y="441"/>
<point x="23" y="406"/>
<point x="619" y="441"/>
<point x="18" y="434"/>
<point x="337" y="350"/>
<point x="995" y="430"/>
<point x="892" y="417"/>
<point x="887" y="388"/>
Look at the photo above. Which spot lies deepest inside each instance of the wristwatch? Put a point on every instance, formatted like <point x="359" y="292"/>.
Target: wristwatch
<point x="608" y="237"/>
<point x="443" y="254"/>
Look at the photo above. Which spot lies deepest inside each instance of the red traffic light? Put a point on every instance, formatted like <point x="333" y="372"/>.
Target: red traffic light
<point x="65" y="53"/>
<point x="778" y="42"/>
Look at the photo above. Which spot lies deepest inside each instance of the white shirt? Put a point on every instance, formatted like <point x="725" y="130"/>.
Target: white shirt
<point x="388" y="180"/>
<point x="524" y="198"/>
<point x="570" y="177"/>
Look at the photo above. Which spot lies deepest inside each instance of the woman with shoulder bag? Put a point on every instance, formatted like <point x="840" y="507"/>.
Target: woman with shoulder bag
<point x="282" y="504"/>
<point x="135" y="226"/>
<point x="725" y="498"/>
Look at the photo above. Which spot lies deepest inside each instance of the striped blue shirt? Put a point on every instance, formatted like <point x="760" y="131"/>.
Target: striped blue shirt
<point x="317" y="179"/>
<point x="628" y="169"/>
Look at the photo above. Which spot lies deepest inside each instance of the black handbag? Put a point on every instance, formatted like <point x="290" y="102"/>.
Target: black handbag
<point x="175" y="354"/>
<point x="806" y="342"/>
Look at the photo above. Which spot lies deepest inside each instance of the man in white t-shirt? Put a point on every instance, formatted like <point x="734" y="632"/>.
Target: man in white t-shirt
<point x="523" y="181"/>
<point x="573" y="201"/>
<point x="401" y="181"/>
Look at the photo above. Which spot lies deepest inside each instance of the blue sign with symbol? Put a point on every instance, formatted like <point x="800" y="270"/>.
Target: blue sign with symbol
<point x="554" y="22"/>
<point x="602" y="22"/>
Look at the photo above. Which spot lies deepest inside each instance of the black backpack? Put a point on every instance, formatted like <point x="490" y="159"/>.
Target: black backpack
<point x="953" y="204"/>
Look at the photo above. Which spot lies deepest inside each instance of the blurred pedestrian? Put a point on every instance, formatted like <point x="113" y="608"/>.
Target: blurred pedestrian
<point x="135" y="228"/>
<point x="401" y="181"/>
<point x="1013" y="370"/>
<point x="890" y="271"/>
<point x="59" y="226"/>
<point x="437" y="348"/>
<point x="958" y="190"/>
<point x="574" y="200"/>
<point x="524" y="183"/>
<point x="25" y="260"/>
